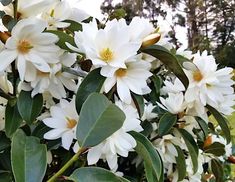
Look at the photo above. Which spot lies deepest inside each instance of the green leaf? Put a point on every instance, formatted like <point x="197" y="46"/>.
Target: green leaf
<point x="5" y="2"/>
<point x="217" y="170"/>
<point x="5" y="176"/>
<point x="4" y="142"/>
<point x="29" y="108"/>
<point x="13" y="119"/>
<point x="151" y="157"/>
<point x="99" y="119"/>
<point x="222" y="121"/>
<point x="139" y="103"/>
<point x="74" y="26"/>
<point x="95" y="174"/>
<point x="192" y="147"/>
<point x="150" y="175"/>
<point x="180" y="163"/>
<point x="216" y="148"/>
<point x="63" y="38"/>
<point x="167" y="121"/>
<point x="148" y="128"/>
<point x="169" y="60"/>
<point x="203" y="125"/>
<point x="28" y="157"/>
<point x="93" y="82"/>
<point x="182" y="59"/>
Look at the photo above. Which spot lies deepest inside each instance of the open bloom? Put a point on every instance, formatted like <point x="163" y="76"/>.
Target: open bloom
<point x="63" y="120"/>
<point x="32" y="49"/>
<point x="28" y="8"/>
<point x="119" y="143"/>
<point x="132" y="78"/>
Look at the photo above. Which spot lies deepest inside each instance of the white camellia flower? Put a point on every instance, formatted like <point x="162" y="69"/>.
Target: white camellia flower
<point x="207" y="84"/>
<point x="174" y="103"/>
<point x="63" y="120"/>
<point x="5" y="84"/>
<point x="119" y="143"/>
<point x="55" y="80"/>
<point x="132" y="78"/>
<point x="175" y="86"/>
<point x="32" y="49"/>
<point x="28" y="8"/>
<point x="107" y="48"/>
<point x="148" y="112"/>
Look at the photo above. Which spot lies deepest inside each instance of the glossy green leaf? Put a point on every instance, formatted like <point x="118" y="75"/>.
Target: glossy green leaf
<point x="63" y="38"/>
<point x="4" y="141"/>
<point x="139" y="103"/>
<point x="192" y="147"/>
<point x="28" y="157"/>
<point x="151" y="157"/>
<point x="167" y="121"/>
<point x="99" y="119"/>
<point x="203" y="125"/>
<point x="217" y="170"/>
<point x="182" y="59"/>
<point x="13" y="119"/>
<point x="29" y="108"/>
<point x="222" y="121"/>
<point x="167" y="58"/>
<point x="180" y="163"/>
<point x="150" y="175"/>
<point x="216" y="148"/>
<point x="95" y="174"/>
<point x="93" y="82"/>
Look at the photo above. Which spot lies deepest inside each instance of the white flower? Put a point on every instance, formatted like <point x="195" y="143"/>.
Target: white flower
<point x="63" y="120"/>
<point x="174" y="103"/>
<point x="28" y="8"/>
<point x="119" y="143"/>
<point x="3" y="103"/>
<point x="184" y="53"/>
<point x="175" y="86"/>
<point x="132" y="78"/>
<point x="108" y="48"/>
<point x="32" y="49"/>
<point x="207" y="84"/>
<point x="5" y="84"/>
<point x="55" y="80"/>
<point x="165" y="147"/>
<point x="148" y="112"/>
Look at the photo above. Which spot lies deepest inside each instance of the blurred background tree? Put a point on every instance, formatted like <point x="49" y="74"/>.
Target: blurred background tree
<point x="210" y="24"/>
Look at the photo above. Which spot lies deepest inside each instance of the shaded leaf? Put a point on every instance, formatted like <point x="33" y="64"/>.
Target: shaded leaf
<point x="217" y="170"/>
<point x="4" y="141"/>
<point x="29" y="108"/>
<point x="216" y="148"/>
<point x="222" y="121"/>
<point x="203" y="125"/>
<point x="5" y="2"/>
<point x="139" y="103"/>
<point x="180" y="163"/>
<point x="93" y="82"/>
<point x="151" y="157"/>
<point x="99" y="119"/>
<point x="95" y="174"/>
<point x="74" y="26"/>
<point x="167" y="121"/>
<point x="29" y="158"/>
<point x="169" y="60"/>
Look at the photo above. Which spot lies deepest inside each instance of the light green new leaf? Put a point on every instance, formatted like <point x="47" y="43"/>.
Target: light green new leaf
<point x="99" y="119"/>
<point x="95" y="174"/>
<point x="29" y="108"/>
<point x="91" y="83"/>
<point x="13" y="119"/>
<point x="192" y="147"/>
<point x="28" y="158"/>
<point x="167" y="121"/>
<point x="222" y="121"/>
<point x="167" y="58"/>
<point x="151" y="157"/>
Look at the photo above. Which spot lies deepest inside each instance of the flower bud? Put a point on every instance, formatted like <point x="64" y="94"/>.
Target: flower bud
<point x="207" y="142"/>
<point x="151" y="40"/>
<point x="4" y="36"/>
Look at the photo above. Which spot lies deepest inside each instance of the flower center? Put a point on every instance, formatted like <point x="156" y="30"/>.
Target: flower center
<point x="71" y="123"/>
<point x="52" y="13"/>
<point x="106" y="55"/>
<point x="42" y="74"/>
<point x="121" y="72"/>
<point x="24" y="46"/>
<point x="197" y="76"/>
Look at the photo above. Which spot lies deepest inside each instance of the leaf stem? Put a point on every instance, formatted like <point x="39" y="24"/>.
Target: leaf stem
<point x="67" y="165"/>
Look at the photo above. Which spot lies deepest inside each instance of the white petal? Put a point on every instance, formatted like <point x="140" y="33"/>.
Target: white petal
<point x="6" y="57"/>
<point x="94" y="154"/>
<point x="54" y="134"/>
<point x="67" y="139"/>
<point x="123" y="91"/>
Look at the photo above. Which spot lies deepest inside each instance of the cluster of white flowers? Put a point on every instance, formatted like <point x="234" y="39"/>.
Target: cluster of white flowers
<point x="115" y="50"/>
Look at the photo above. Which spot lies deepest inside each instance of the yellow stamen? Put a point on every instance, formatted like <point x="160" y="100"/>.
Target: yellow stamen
<point x="71" y="123"/>
<point x="52" y="13"/>
<point x="42" y="74"/>
<point x="197" y="76"/>
<point x="121" y="72"/>
<point x="24" y="46"/>
<point x="106" y="55"/>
